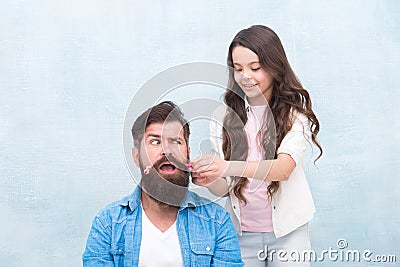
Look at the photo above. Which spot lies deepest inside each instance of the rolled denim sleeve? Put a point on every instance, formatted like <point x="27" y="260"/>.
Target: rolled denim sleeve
<point x="227" y="250"/>
<point x="295" y="141"/>
<point x="98" y="245"/>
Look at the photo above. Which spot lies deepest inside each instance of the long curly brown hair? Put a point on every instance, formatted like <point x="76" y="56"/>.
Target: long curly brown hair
<point x="287" y="95"/>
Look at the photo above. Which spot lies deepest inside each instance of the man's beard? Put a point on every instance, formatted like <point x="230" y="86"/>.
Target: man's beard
<point x="166" y="189"/>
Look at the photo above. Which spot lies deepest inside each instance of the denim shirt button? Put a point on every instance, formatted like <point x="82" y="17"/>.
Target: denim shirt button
<point x="208" y="248"/>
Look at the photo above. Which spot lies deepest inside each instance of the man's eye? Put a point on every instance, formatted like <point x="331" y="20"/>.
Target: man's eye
<point x="155" y="142"/>
<point x="177" y="142"/>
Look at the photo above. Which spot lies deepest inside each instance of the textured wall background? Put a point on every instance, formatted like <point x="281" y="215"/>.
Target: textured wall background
<point x="68" y="70"/>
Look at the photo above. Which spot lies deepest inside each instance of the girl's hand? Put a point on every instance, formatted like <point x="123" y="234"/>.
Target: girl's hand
<point x="209" y="167"/>
<point x="199" y="180"/>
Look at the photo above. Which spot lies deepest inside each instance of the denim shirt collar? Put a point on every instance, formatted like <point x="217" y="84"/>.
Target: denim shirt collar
<point x="133" y="200"/>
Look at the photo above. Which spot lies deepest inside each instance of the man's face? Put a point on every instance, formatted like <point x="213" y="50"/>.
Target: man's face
<point x="163" y="148"/>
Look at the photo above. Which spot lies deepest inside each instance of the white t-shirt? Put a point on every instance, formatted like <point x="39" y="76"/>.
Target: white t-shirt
<point x="159" y="249"/>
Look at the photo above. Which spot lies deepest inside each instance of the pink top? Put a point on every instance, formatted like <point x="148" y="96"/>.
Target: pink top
<point x="256" y="215"/>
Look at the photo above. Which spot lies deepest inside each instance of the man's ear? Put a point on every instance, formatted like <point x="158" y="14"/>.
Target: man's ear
<point x="135" y="155"/>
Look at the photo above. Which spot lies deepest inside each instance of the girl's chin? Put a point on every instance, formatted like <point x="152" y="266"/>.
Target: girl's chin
<point x="254" y="95"/>
<point x="249" y="88"/>
<point x="256" y="99"/>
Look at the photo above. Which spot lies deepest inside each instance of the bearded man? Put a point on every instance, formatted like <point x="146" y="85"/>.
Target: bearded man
<point x="162" y="223"/>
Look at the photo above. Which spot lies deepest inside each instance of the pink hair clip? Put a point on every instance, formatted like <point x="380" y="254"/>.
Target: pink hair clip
<point x="147" y="170"/>
<point x="189" y="165"/>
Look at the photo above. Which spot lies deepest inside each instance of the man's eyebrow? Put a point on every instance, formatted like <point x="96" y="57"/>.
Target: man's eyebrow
<point x="175" y="138"/>
<point x="153" y="136"/>
<point x="159" y="137"/>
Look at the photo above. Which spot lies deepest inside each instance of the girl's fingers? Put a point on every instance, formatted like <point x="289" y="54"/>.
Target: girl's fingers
<point x="201" y="181"/>
<point x="203" y="162"/>
<point x="197" y="176"/>
<point x="207" y="173"/>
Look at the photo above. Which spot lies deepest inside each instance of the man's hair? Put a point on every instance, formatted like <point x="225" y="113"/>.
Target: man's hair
<point x="166" y="111"/>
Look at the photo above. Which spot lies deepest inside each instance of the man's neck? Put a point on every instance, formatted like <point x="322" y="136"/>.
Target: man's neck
<point x="161" y="215"/>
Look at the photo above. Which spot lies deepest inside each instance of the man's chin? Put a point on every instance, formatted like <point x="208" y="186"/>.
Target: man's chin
<point x="164" y="201"/>
<point x="176" y="179"/>
<point x="166" y="189"/>
<point x="165" y="198"/>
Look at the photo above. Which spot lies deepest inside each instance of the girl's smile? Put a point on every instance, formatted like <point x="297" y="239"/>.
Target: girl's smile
<point x="255" y="82"/>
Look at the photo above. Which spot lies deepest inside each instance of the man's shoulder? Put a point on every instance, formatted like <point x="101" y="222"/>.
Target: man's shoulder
<point x="119" y="208"/>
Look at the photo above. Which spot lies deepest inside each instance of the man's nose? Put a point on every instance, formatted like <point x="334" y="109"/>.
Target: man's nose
<point x="166" y="150"/>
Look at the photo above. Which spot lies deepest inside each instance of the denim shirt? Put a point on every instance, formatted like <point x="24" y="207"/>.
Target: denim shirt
<point x="205" y="232"/>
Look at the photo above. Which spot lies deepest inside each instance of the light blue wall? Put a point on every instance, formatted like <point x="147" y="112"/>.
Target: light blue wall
<point x="69" y="69"/>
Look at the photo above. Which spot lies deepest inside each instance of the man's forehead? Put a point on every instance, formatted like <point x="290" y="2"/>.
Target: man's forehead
<point x="170" y="129"/>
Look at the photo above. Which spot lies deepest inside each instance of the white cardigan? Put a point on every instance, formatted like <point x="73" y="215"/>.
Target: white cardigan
<point x="292" y="204"/>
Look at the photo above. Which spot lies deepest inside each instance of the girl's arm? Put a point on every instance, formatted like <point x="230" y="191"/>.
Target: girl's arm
<point x="290" y="154"/>
<point x="210" y="168"/>
<point x="271" y="170"/>
<point x="216" y="185"/>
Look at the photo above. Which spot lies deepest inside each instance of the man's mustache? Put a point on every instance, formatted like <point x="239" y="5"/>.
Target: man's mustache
<point x="171" y="159"/>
